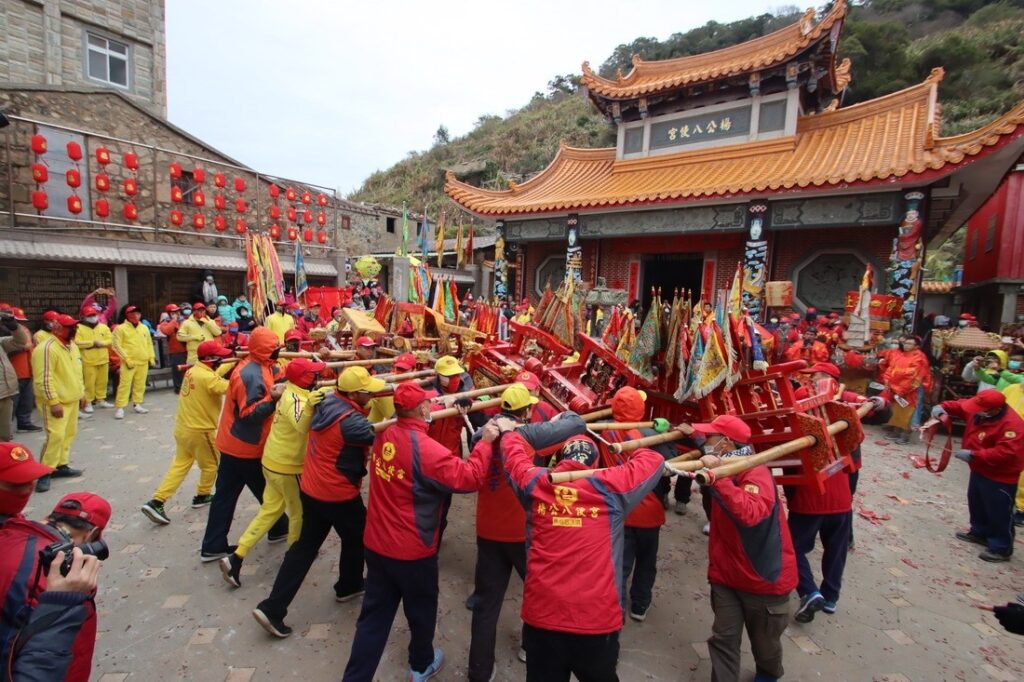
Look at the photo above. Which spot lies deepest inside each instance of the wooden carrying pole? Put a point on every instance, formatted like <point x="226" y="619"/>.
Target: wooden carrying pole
<point x="445" y="413"/>
<point x="339" y="354"/>
<point x="594" y="416"/>
<point x="475" y="393"/>
<point x="660" y="439"/>
<point x="370" y="362"/>
<point x="406" y="376"/>
<point x="620" y="426"/>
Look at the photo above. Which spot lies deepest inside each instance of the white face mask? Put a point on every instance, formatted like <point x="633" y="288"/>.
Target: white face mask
<point x="91" y="319"/>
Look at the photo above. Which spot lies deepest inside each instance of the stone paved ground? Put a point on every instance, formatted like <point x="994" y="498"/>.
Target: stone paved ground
<point x="908" y="611"/>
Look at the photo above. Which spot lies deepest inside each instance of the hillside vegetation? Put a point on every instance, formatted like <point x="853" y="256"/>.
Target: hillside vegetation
<point x="892" y="43"/>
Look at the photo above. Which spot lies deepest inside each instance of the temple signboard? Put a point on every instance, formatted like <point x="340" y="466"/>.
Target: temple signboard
<point x="696" y="128"/>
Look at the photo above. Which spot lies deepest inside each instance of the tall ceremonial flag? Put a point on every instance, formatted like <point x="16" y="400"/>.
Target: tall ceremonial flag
<point x="405" y="230"/>
<point x="439" y="239"/>
<point x="458" y="246"/>
<point x="859" y="330"/>
<point x="301" y="283"/>
<point x="468" y="259"/>
<point x="421" y="239"/>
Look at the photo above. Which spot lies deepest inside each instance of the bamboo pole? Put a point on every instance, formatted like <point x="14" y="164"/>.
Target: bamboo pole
<point x="599" y="414"/>
<point x="406" y="376"/>
<point x="369" y="362"/>
<point x="687" y="456"/>
<point x="445" y="413"/>
<point x="475" y="393"/>
<point x="620" y="426"/>
<point x="339" y="354"/>
<point x="569" y="476"/>
<point x="660" y="439"/>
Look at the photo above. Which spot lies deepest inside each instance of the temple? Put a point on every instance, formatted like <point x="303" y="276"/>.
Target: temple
<point x="746" y="155"/>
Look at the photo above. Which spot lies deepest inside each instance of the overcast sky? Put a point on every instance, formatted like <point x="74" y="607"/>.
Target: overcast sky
<point x="328" y="92"/>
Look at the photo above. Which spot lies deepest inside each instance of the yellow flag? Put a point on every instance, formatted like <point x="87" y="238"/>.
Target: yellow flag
<point x="459" y="255"/>
<point x="439" y="239"/>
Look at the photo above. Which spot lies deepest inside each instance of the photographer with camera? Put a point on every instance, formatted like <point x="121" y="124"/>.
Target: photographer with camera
<point x="48" y="582"/>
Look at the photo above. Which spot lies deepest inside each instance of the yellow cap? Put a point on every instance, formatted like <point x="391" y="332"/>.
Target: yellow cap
<point x="447" y="366"/>
<point x="516" y="397"/>
<point x="359" y="379"/>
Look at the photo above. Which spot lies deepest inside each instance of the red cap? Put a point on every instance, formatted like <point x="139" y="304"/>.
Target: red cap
<point x="990" y="399"/>
<point x="733" y="428"/>
<point x="89" y="507"/>
<point x="966" y="316"/>
<point x="198" y="306"/>
<point x="212" y="349"/>
<point x="812" y="311"/>
<point x="18" y="466"/>
<point x="404" y="362"/>
<point x="300" y="368"/>
<point x="131" y="309"/>
<point x="50" y="316"/>
<point x="826" y="367"/>
<point x="5" y="308"/>
<point x="19" y="314"/>
<point x="528" y="379"/>
<point x="66" y="321"/>
<point x="292" y="334"/>
<point x="171" y="308"/>
<point x="367" y="342"/>
<point x="89" y="310"/>
<point x="409" y="394"/>
<point x="628" y="404"/>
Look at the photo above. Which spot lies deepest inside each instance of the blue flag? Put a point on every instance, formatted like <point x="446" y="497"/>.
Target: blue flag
<point x="300" y="272"/>
<point x="421" y="240"/>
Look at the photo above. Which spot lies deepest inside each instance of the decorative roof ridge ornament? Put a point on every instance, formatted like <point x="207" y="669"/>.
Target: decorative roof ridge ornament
<point x="936" y="76"/>
<point x="843" y="74"/>
<point x="807" y="21"/>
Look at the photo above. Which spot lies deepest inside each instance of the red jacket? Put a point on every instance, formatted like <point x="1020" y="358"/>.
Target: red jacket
<point x="170" y="330"/>
<point x="649" y="513"/>
<point x="997" y="451"/>
<point x="749" y="548"/>
<point x="575" y="538"/>
<point x="248" y="408"/>
<point x="338" y="448"/>
<point x="448" y="431"/>
<point x="411" y="476"/>
<point x="837" y="499"/>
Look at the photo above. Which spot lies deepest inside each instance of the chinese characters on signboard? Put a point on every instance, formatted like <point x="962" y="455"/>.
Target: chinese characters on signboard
<point x="693" y="129"/>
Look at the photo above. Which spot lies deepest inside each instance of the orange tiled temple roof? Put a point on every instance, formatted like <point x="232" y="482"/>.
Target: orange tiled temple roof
<point x="887" y="137"/>
<point x="647" y="78"/>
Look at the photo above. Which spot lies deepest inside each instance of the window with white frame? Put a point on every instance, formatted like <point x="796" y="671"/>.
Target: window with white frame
<point x="106" y="60"/>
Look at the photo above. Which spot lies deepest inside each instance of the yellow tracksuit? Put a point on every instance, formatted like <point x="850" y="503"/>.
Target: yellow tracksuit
<point x="279" y="323"/>
<point x="195" y="429"/>
<point x="193" y="332"/>
<point x="57" y="380"/>
<point x="1015" y="399"/>
<point x="95" y="358"/>
<point x="283" y="457"/>
<point x="40" y="336"/>
<point x="134" y="345"/>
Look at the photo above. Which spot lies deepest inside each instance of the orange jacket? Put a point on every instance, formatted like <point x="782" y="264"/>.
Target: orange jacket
<point x="248" y="408"/>
<point x="905" y="372"/>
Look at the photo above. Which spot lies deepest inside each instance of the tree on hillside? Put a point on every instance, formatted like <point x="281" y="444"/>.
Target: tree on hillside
<point x="441" y="137"/>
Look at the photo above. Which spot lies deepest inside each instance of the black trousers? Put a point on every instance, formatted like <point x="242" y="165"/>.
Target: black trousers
<point x="24" y="403"/>
<point x="640" y="557"/>
<point x="834" y="530"/>
<point x="348" y="519"/>
<point x="552" y="656"/>
<point x="683" y="489"/>
<point x="388" y="582"/>
<point x="177" y="375"/>
<point x="495" y="562"/>
<point x="234" y="474"/>
<point x="991" y="504"/>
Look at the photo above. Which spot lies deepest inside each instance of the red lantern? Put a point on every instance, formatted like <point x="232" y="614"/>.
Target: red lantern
<point x="39" y="173"/>
<point x="321" y="219"/>
<point x="131" y="161"/>
<point x="275" y="231"/>
<point x="199" y="175"/>
<point x="307" y="234"/>
<point x="198" y="198"/>
<point x="275" y="191"/>
<point x="74" y="204"/>
<point x="102" y="208"/>
<point x="321" y="200"/>
<point x="39" y="144"/>
<point x="239" y="184"/>
<point x="293" y="234"/>
<point x="307" y="215"/>
<point x="220" y="180"/>
<point x="321" y="237"/>
<point x="102" y="156"/>
<point x="199" y="221"/>
<point x="240" y="226"/>
<point x="131" y="186"/>
<point x="219" y="202"/>
<point x="240" y="205"/>
<point x="74" y="152"/>
<point x="131" y="212"/>
<point x="177" y="218"/>
<point x="40" y="201"/>
<point x="293" y="215"/>
<point x="289" y="194"/>
<point x="275" y="213"/>
<point x="176" y="194"/>
<point x="102" y="182"/>
<point x="307" y="198"/>
<point x="220" y="223"/>
<point x="175" y="169"/>
<point x="73" y="177"/>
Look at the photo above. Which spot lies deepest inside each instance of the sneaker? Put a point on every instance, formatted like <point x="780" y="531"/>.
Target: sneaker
<point x="471" y="601"/>
<point x="829" y="607"/>
<point x="680" y="508"/>
<point x="761" y="677"/>
<point x="230" y="568"/>
<point x="892" y="435"/>
<point x="119" y="414"/>
<point x="139" y="409"/>
<point x="809" y="605"/>
<point x="432" y="669"/>
<point x="706" y="529"/>
<point x="274" y="626"/>
<point x="1018" y="518"/>
<point x="994" y="557"/>
<point x="87" y="409"/>
<point x="200" y="501"/>
<point x="43" y="484"/>
<point x="154" y="511"/>
<point x="521" y="655"/>
<point x="103" y="404"/>
<point x="207" y="557"/>
<point x="970" y="537"/>
<point x="274" y="539"/>
<point x="64" y="471"/>
<point x="342" y="598"/>
<point x="638" y="612"/>
<point x="29" y="428"/>
<point x="664" y="501"/>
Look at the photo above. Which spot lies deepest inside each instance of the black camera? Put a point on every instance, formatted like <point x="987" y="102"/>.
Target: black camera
<point x="96" y="548"/>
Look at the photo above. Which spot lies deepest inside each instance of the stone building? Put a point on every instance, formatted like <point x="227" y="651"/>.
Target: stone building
<point x="122" y="197"/>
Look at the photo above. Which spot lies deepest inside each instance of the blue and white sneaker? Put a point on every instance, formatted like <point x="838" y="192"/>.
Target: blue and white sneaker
<point x="432" y="669"/>
<point x="829" y="607"/>
<point x="809" y="605"/>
